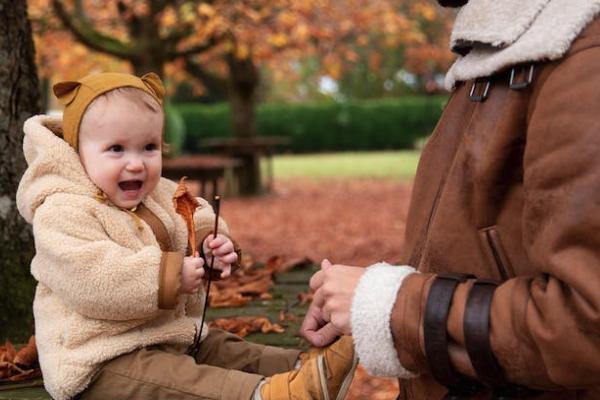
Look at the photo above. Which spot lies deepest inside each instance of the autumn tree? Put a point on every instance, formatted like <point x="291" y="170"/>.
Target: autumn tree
<point x="19" y="99"/>
<point x="221" y="44"/>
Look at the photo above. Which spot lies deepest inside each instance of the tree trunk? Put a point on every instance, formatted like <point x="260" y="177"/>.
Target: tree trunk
<point x="19" y="99"/>
<point x="243" y="85"/>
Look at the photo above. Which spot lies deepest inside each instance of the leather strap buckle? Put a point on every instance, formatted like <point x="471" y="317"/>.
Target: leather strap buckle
<point x="475" y="94"/>
<point x="520" y="85"/>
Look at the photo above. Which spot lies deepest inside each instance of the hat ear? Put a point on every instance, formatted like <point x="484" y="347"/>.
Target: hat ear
<point x="66" y="91"/>
<point x="153" y="82"/>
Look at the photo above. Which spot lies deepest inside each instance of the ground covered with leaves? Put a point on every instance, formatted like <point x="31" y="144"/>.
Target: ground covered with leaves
<point x="355" y="222"/>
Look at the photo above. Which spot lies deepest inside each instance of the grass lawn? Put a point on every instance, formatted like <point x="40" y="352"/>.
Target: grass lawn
<point x="383" y="164"/>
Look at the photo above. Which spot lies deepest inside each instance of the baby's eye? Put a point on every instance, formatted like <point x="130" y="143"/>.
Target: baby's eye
<point x="151" y="147"/>
<point x="116" y="148"/>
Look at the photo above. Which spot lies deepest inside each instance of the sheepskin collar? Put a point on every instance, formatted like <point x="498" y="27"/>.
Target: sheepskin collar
<point x="496" y="34"/>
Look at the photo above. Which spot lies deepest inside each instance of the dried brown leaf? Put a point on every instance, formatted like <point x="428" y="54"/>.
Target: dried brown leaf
<point x="305" y="298"/>
<point x="242" y="326"/>
<point x="185" y="205"/>
<point x="27" y="374"/>
<point x="9" y="352"/>
<point x="27" y="357"/>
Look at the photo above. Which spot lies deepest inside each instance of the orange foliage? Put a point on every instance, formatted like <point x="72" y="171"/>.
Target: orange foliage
<point x="271" y="33"/>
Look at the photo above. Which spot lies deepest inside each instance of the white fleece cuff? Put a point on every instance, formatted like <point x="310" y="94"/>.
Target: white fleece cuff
<point x="372" y="304"/>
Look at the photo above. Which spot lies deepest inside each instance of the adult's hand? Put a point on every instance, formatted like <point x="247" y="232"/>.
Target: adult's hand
<point x="329" y="314"/>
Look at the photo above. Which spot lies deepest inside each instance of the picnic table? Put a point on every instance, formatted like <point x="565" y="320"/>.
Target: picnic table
<point x="284" y="293"/>
<point x="249" y="151"/>
<point x="208" y="170"/>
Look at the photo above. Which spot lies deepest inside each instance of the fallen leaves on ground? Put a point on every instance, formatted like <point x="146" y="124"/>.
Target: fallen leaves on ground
<point x="242" y="326"/>
<point x="245" y="284"/>
<point x="251" y="282"/>
<point x="19" y="365"/>
<point x="352" y="222"/>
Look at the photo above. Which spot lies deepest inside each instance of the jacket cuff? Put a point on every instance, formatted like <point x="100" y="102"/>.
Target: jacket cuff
<point x="171" y="263"/>
<point x="372" y="305"/>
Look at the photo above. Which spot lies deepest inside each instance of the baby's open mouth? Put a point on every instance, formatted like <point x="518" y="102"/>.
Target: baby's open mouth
<point x="130" y="185"/>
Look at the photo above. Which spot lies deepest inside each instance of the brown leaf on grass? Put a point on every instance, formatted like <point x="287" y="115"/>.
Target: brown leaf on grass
<point x="257" y="287"/>
<point x="16" y="366"/>
<point x="7" y="352"/>
<point x="227" y="298"/>
<point x="27" y="374"/>
<point x="27" y="357"/>
<point x="287" y="316"/>
<point x="185" y="205"/>
<point x="266" y="296"/>
<point x="305" y="298"/>
<point x="244" y="285"/>
<point x="242" y="326"/>
<point x="6" y="369"/>
<point x="274" y="262"/>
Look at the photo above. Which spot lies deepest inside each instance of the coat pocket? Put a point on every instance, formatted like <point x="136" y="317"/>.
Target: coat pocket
<point x="492" y="247"/>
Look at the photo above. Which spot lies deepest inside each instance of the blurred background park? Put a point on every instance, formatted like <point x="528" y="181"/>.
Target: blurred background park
<point x="308" y="115"/>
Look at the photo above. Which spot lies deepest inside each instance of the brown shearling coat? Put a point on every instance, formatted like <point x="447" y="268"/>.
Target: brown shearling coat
<point x="509" y="189"/>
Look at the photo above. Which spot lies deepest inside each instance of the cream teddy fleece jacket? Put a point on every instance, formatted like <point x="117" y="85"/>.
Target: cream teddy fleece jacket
<point x="97" y="266"/>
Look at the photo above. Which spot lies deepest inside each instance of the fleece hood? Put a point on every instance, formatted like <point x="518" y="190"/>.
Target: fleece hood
<point x="52" y="166"/>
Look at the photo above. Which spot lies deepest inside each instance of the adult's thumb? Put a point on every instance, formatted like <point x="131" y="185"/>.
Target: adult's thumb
<point x="325" y="264"/>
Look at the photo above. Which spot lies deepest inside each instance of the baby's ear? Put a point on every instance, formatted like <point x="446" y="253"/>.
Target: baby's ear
<point x="153" y="82"/>
<point x="66" y="91"/>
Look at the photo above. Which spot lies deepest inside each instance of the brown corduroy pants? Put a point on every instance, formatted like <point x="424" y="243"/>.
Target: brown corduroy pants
<point x="228" y="368"/>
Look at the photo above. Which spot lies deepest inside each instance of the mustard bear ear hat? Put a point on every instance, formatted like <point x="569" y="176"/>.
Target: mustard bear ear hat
<point x="76" y="96"/>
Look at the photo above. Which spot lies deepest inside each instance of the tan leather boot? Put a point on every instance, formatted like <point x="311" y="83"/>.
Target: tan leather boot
<point x="324" y="374"/>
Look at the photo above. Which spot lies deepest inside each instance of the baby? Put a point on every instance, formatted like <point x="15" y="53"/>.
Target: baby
<point x="118" y="302"/>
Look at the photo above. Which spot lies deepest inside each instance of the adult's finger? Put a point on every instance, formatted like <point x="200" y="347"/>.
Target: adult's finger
<point x="318" y="300"/>
<point x="323" y="336"/>
<point x="326" y="264"/>
<point x="312" y="322"/>
<point x="317" y="280"/>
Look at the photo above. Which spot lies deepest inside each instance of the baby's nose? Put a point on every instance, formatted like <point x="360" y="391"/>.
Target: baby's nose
<point x="135" y="163"/>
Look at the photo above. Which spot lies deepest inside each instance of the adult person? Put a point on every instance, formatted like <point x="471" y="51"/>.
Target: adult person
<point x="499" y="295"/>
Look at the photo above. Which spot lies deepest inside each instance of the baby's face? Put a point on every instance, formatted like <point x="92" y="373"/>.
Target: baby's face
<point x="120" y="149"/>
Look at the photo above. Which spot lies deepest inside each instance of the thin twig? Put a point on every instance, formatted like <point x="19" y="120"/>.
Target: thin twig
<point x="210" y="272"/>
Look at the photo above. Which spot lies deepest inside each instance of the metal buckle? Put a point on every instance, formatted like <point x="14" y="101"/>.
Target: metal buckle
<point x="524" y="84"/>
<point x="484" y="95"/>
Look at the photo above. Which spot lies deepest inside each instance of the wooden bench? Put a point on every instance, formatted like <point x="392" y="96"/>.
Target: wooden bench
<point x="249" y="150"/>
<point x="208" y="170"/>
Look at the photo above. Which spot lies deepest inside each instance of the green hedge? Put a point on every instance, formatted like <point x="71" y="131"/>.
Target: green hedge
<point x="354" y="125"/>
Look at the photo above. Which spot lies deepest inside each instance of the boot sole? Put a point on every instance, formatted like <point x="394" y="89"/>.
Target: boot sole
<point x="345" y="383"/>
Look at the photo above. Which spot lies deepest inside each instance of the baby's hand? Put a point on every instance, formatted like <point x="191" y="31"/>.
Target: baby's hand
<point x="191" y="274"/>
<point x="223" y="249"/>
